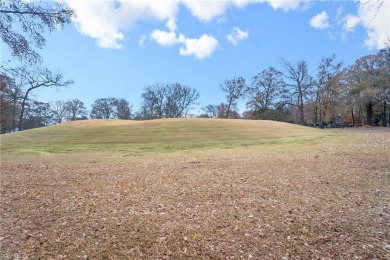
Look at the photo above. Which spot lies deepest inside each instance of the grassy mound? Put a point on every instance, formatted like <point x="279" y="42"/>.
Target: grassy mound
<point x="155" y="135"/>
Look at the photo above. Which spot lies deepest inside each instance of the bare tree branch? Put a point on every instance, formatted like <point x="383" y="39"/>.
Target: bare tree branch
<point x="23" y="23"/>
<point x="35" y="78"/>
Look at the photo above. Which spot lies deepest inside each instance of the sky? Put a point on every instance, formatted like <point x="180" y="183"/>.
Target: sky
<point x="114" y="48"/>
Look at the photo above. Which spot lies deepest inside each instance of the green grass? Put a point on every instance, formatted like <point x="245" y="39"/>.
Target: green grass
<point x="165" y="135"/>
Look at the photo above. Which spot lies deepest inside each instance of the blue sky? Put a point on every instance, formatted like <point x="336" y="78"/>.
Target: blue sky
<point x="115" y="48"/>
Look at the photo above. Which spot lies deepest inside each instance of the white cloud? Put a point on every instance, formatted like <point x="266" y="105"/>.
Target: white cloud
<point x="237" y="35"/>
<point x="106" y="21"/>
<point x="221" y="20"/>
<point x="142" y="40"/>
<point x="320" y="21"/>
<point x="375" y="18"/>
<point x="91" y="20"/>
<point x="350" y="23"/>
<point x="201" y="48"/>
<point x="171" y="24"/>
<point x="287" y="5"/>
<point x="207" y="10"/>
<point x="167" y="38"/>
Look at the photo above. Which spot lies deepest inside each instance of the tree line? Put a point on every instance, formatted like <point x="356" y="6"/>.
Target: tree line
<point x="357" y="94"/>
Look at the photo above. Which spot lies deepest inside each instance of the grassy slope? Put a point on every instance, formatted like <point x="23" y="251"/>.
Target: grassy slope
<point x="155" y="136"/>
<point x="303" y="193"/>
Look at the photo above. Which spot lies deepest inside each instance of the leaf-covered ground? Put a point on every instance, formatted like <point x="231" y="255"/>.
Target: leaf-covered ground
<point x="324" y="201"/>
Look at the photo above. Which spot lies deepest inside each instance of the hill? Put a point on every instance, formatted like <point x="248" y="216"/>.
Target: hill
<point x="155" y="135"/>
<point x="110" y="190"/>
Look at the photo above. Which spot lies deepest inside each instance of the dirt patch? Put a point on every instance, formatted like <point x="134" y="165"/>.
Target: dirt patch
<point x="331" y="201"/>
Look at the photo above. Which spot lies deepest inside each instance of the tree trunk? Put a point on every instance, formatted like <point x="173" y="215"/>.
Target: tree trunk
<point x="14" y="116"/>
<point x="369" y="110"/>
<point x="22" y="109"/>
<point x="302" y="115"/>
<point x="361" y="116"/>
<point x="301" y="110"/>
<point x="317" y="104"/>
<point x="228" y="110"/>
<point x="321" y="118"/>
<point x="353" y="118"/>
<point x="384" y="119"/>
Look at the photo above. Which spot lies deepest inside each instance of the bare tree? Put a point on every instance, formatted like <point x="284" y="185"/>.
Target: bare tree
<point x="265" y="90"/>
<point x="103" y="108"/>
<point x="59" y="110"/>
<point x="170" y="100"/>
<point x="35" y="78"/>
<point x="179" y="99"/>
<point x="154" y="100"/>
<point x="123" y="110"/>
<point x="326" y="88"/>
<point x="210" y="111"/>
<point x="234" y="89"/>
<point x="222" y="112"/>
<point x="23" y="23"/>
<point x="298" y="86"/>
<point x="75" y="109"/>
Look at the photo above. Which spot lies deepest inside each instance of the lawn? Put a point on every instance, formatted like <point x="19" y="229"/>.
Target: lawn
<point x="165" y="135"/>
<point x="190" y="189"/>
